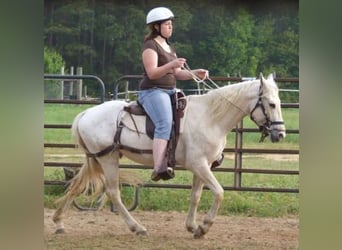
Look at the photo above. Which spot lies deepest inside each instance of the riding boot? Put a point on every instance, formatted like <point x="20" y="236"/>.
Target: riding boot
<point x="161" y="169"/>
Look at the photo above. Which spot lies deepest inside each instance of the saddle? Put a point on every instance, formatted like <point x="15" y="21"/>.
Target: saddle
<point x="178" y="102"/>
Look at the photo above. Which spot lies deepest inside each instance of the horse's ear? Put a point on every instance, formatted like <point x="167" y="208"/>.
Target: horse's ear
<point x="270" y="76"/>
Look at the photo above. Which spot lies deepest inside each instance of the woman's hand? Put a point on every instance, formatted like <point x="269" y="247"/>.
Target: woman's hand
<point x="178" y="63"/>
<point x="201" y="73"/>
<point x="185" y="74"/>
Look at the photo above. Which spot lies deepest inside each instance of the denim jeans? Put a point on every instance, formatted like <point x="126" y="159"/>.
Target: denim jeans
<point x="157" y="104"/>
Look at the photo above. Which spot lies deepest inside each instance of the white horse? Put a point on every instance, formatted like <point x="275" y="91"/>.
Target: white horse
<point x="207" y="120"/>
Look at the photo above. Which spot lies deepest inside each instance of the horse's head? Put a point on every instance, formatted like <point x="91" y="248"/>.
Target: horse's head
<point x="267" y="111"/>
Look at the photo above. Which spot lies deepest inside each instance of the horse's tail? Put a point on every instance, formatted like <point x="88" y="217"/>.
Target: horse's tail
<point x="90" y="178"/>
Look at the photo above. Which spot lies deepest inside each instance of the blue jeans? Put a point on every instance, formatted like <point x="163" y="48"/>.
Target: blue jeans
<point x="157" y="104"/>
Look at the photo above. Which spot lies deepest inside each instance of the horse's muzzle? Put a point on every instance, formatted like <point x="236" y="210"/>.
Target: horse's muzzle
<point x="277" y="135"/>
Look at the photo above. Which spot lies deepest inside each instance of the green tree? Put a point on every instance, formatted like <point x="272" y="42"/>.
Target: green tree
<point x="235" y="37"/>
<point x="53" y="62"/>
<point x="241" y="55"/>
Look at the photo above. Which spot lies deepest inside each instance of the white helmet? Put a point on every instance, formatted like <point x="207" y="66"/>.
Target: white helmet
<point x="159" y="14"/>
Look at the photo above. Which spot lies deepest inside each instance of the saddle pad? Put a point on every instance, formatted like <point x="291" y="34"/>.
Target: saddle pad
<point x="134" y="122"/>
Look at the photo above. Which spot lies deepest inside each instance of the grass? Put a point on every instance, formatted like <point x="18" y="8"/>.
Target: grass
<point x="60" y="114"/>
<point x="243" y="203"/>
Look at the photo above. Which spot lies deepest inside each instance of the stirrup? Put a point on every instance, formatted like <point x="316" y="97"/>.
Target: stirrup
<point x="168" y="174"/>
<point x="217" y="162"/>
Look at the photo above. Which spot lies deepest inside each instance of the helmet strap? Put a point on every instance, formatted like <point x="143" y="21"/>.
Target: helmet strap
<point x="160" y="34"/>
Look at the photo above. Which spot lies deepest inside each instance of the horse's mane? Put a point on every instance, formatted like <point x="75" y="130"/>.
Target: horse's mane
<point x="220" y="99"/>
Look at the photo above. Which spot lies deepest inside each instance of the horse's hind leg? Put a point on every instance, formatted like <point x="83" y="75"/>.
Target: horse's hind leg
<point x="196" y="192"/>
<point x="65" y="202"/>
<point x="58" y="215"/>
<point x="110" y="167"/>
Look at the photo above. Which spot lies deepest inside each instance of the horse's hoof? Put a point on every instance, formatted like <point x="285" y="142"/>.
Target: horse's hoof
<point x="199" y="233"/>
<point x="198" y="236"/>
<point x="60" y="231"/>
<point x="190" y="229"/>
<point x="142" y="233"/>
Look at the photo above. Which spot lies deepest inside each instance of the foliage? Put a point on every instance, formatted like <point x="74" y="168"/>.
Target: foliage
<point x="235" y="38"/>
<point x="53" y="62"/>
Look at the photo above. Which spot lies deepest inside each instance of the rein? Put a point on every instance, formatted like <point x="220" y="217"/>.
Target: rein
<point x="199" y="80"/>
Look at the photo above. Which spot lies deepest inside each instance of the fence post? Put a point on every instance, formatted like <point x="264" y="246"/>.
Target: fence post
<point x="71" y="83"/>
<point x="62" y="84"/>
<point x="79" y="71"/>
<point x="238" y="155"/>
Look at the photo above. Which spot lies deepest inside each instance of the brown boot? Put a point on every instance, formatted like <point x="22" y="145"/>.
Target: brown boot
<point x="168" y="174"/>
<point x="161" y="170"/>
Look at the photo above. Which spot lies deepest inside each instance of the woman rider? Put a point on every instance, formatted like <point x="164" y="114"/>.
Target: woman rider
<point x="161" y="70"/>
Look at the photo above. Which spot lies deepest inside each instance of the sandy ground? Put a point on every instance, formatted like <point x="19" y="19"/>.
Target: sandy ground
<point x="105" y="230"/>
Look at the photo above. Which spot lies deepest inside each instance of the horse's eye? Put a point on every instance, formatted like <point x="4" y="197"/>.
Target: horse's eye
<point x="272" y="105"/>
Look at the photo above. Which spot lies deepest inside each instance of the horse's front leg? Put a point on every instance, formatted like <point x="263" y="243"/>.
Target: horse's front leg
<point x="210" y="181"/>
<point x="111" y="172"/>
<point x="196" y="192"/>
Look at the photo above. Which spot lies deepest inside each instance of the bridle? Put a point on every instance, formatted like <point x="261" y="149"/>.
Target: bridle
<point x="266" y="127"/>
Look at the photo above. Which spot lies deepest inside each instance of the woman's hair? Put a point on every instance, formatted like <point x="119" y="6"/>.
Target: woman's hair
<point x="152" y="32"/>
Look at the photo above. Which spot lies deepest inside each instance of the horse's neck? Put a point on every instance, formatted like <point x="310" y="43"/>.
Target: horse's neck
<point x="230" y="104"/>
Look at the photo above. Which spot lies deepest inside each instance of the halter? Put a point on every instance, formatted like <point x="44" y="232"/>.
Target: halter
<point x="266" y="127"/>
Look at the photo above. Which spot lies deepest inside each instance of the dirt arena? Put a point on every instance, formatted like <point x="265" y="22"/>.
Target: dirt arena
<point x="106" y="230"/>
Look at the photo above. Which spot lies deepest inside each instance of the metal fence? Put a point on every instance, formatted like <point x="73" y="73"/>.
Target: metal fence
<point x="126" y="86"/>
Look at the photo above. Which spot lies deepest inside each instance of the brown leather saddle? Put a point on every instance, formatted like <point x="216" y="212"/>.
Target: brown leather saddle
<point x="178" y="102"/>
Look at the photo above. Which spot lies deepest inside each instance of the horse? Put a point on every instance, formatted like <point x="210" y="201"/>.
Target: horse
<point x="207" y="120"/>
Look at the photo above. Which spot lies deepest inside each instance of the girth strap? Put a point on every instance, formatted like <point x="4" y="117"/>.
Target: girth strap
<point x="135" y="150"/>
